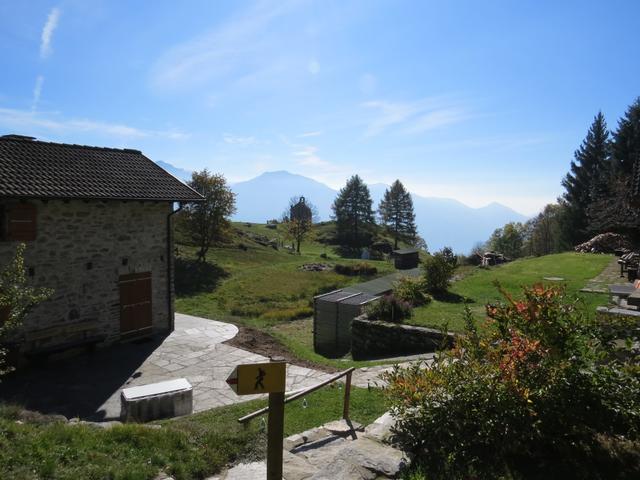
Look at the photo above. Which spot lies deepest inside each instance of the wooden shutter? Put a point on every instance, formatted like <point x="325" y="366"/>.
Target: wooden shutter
<point x="4" y="314"/>
<point x="21" y="222"/>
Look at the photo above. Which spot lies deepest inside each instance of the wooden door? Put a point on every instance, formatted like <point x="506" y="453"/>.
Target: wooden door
<point x="135" y="302"/>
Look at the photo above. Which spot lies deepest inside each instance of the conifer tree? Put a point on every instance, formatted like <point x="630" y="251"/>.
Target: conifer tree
<point x="626" y="140"/>
<point x="396" y="213"/>
<point x="352" y="212"/>
<point x="614" y="205"/>
<point x="589" y="176"/>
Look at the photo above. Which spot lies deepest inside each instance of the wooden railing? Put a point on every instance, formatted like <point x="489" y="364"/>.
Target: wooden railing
<point x="347" y="395"/>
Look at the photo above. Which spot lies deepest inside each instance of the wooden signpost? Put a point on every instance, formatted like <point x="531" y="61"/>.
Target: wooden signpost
<point x="256" y="378"/>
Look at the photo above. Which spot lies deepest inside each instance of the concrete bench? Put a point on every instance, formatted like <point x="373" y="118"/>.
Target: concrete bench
<point x="172" y="398"/>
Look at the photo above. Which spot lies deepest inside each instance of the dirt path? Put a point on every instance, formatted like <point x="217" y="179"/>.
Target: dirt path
<point x="257" y="341"/>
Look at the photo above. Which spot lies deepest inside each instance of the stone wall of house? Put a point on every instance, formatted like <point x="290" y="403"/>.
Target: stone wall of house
<point x="80" y="251"/>
<point x="373" y="338"/>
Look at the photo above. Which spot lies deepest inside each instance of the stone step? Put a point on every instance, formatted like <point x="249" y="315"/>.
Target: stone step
<point x="340" y="450"/>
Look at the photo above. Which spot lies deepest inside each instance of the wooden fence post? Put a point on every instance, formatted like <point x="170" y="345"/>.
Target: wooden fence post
<point x="347" y="396"/>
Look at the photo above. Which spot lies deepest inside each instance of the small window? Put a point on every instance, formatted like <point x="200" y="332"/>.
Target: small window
<point x="21" y="222"/>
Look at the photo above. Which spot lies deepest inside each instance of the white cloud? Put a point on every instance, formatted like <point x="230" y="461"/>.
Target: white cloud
<point x="237" y="140"/>
<point x="436" y="119"/>
<point x="47" y="32"/>
<point x="37" y="91"/>
<point x="389" y="114"/>
<point x="307" y="156"/>
<point x="236" y="48"/>
<point x="415" y="117"/>
<point x="316" y="133"/>
<point x="21" y="119"/>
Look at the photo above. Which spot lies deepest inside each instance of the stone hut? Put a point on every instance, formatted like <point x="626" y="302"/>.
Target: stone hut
<point x="406" y="258"/>
<point x="97" y="226"/>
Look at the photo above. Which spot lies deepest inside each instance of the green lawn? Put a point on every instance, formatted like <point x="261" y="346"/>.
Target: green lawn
<point x="192" y="447"/>
<point x="477" y="289"/>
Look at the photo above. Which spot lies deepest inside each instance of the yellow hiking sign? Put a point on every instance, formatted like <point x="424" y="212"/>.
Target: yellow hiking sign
<point x="258" y="378"/>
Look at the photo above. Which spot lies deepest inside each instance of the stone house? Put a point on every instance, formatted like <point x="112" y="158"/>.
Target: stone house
<point x="97" y="224"/>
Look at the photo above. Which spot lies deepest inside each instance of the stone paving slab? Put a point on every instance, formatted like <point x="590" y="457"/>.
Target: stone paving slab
<point x="610" y="275"/>
<point x="195" y="351"/>
<point x="89" y="386"/>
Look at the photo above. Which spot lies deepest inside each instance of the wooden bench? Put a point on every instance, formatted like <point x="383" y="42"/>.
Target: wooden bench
<point x="629" y="264"/>
<point x="46" y="341"/>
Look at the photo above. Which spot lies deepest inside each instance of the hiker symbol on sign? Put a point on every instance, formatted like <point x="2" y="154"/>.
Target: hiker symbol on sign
<point x="260" y="379"/>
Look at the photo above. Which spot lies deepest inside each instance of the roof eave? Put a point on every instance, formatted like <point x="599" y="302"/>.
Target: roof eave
<point x="101" y="199"/>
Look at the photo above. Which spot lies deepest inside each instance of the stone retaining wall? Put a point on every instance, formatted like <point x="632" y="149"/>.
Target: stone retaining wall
<point x="374" y="338"/>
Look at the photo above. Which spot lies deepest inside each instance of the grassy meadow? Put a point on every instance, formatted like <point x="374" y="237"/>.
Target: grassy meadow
<point x="477" y="288"/>
<point x="258" y="286"/>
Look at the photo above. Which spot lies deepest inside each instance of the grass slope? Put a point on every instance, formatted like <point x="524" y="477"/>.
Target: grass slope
<point x="260" y="286"/>
<point x="477" y="288"/>
<point x="187" y="448"/>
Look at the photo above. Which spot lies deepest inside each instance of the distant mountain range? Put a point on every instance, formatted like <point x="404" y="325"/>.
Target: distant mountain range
<point x="181" y="173"/>
<point x="440" y="221"/>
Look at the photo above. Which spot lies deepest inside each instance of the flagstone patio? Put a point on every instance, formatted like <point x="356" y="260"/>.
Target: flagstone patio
<point x="89" y="385"/>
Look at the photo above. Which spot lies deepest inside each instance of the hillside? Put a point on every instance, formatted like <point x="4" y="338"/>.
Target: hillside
<point x="256" y="286"/>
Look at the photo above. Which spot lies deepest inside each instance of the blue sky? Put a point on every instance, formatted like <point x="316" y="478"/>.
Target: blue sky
<point x="478" y="101"/>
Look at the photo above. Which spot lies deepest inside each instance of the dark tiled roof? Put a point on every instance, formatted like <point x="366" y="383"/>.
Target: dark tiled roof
<point x="34" y="169"/>
<point x="405" y="251"/>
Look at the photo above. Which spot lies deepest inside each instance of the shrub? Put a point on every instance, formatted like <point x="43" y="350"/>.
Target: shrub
<point x="413" y="291"/>
<point x="357" y="269"/>
<point x="537" y="393"/>
<point x="449" y="256"/>
<point x="17" y="298"/>
<point x="438" y="271"/>
<point x="389" y="309"/>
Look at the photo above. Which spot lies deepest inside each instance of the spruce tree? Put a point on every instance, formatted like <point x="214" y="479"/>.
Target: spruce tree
<point x="616" y="210"/>
<point x="352" y="212"/>
<point x="626" y="141"/>
<point x="396" y="213"/>
<point x="589" y="176"/>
